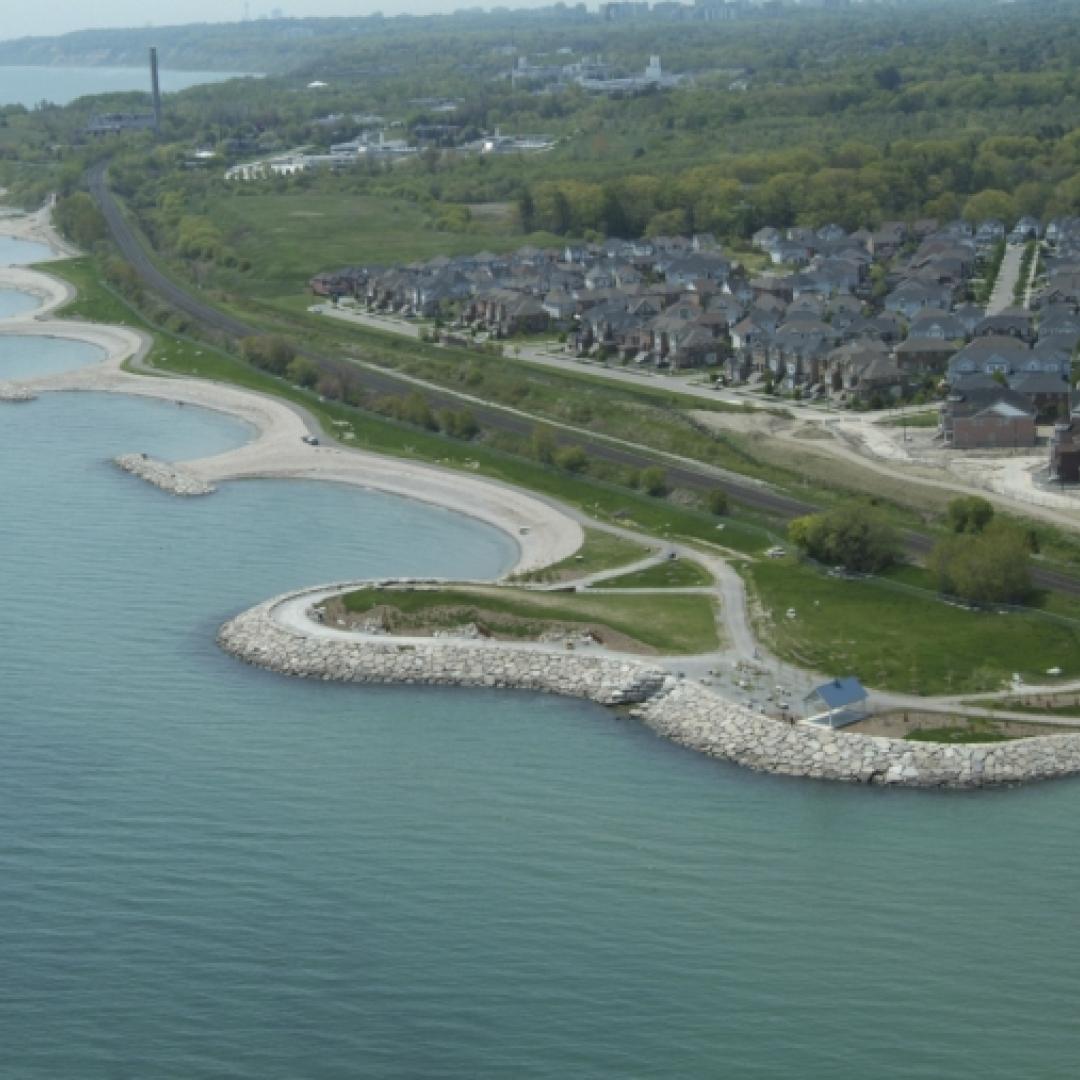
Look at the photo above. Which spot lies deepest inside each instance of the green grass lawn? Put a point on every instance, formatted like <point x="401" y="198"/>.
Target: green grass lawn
<point x="290" y="236"/>
<point x="671" y="574"/>
<point x="600" y="551"/>
<point x="673" y="624"/>
<point x="897" y="641"/>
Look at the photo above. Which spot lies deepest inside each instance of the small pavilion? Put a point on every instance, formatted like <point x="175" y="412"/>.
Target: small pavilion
<point x="840" y="702"/>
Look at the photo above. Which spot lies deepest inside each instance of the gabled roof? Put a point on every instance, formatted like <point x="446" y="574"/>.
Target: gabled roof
<point x="839" y="693"/>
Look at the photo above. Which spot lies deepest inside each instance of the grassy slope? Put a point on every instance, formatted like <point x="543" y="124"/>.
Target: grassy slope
<point x="290" y="236"/>
<point x="673" y="574"/>
<point x="601" y="551"/>
<point x="898" y="641"/>
<point x="669" y="624"/>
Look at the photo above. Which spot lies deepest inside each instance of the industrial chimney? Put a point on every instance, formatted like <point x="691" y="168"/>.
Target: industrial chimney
<point x="156" y="89"/>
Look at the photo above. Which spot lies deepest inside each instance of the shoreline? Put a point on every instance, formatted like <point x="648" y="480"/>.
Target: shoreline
<point x="686" y="711"/>
<point x="279" y="635"/>
<point x="543" y="535"/>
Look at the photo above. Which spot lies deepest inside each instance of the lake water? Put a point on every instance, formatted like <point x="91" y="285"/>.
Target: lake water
<point x="61" y="85"/>
<point x="15" y="252"/>
<point x="27" y="357"/>
<point x="207" y="870"/>
<point x="16" y="303"/>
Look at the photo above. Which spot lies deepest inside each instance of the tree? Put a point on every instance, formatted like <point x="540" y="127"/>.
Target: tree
<point x="855" y="537"/>
<point x="969" y="514"/>
<point x="718" y="502"/>
<point x="302" y="372"/>
<point x="80" y="220"/>
<point x="416" y="410"/>
<point x="543" y="445"/>
<point x="888" y="78"/>
<point x="990" y="204"/>
<point x="269" y="352"/>
<point x="571" y="458"/>
<point x="654" y="480"/>
<point x="991" y="567"/>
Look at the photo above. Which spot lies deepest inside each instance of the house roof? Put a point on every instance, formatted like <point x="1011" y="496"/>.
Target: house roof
<point x="1040" y="382"/>
<point x="839" y="693"/>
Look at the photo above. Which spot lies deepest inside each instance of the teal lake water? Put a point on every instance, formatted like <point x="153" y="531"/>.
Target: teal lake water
<point x="16" y="303"/>
<point x="15" y="252"/>
<point x="27" y="357"/>
<point x="27" y="85"/>
<point x="210" y="871"/>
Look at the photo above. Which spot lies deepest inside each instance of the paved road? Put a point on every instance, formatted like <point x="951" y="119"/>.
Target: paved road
<point x="1009" y="274"/>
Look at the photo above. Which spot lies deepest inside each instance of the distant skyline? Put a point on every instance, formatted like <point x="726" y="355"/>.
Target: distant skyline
<point x="51" y="17"/>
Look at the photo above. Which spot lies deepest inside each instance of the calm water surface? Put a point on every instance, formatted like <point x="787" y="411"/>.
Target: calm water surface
<point x="14" y="252"/>
<point x="16" y="303"/>
<point x="26" y="357"/>
<point x="207" y="870"/>
<point x="29" y="85"/>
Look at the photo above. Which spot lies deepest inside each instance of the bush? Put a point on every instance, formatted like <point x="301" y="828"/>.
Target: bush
<point x="654" y="481"/>
<point x="571" y="459"/>
<point x="854" y="537"/>
<point x="273" y="354"/>
<point x="969" y="514"/>
<point x="992" y="567"/>
<point x="718" y="502"/>
<point x="302" y="372"/>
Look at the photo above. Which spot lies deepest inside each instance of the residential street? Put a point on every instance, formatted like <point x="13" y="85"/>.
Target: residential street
<point x="1002" y="296"/>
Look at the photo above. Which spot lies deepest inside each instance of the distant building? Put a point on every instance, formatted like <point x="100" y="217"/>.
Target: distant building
<point x="115" y="123"/>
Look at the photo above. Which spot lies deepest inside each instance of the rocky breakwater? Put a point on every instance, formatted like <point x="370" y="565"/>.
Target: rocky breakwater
<point x="163" y="475"/>
<point x="686" y="712"/>
<point x="258" y="638"/>
<point x="695" y="717"/>
<point x="11" y="394"/>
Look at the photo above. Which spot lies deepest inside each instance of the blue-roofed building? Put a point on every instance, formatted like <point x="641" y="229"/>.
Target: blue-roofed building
<point x="839" y="701"/>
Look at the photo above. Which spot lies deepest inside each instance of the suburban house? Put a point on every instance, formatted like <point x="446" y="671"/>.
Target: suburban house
<point x="994" y="417"/>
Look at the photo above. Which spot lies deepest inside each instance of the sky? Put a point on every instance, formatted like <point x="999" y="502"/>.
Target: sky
<point x="48" y="17"/>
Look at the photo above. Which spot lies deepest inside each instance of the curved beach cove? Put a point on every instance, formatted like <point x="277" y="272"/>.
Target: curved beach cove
<point x="212" y="870"/>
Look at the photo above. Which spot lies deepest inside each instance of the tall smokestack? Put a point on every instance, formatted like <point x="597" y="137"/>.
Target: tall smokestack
<point x="155" y="88"/>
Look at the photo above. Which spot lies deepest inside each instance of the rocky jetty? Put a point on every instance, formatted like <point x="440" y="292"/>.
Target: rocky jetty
<point x="13" y="394"/>
<point x="161" y="474"/>
<point x="695" y="717"/>
<point x="257" y="638"/>
<point x="686" y="712"/>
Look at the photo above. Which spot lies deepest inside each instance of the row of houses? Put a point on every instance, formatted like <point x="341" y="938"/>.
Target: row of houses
<point x="866" y="315"/>
<point x="1018" y="375"/>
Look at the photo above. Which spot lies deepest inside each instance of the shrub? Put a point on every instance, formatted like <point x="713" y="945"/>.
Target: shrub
<point x="854" y="537"/>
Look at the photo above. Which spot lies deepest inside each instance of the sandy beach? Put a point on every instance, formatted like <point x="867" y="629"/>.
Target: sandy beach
<point x="542" y="533"/>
